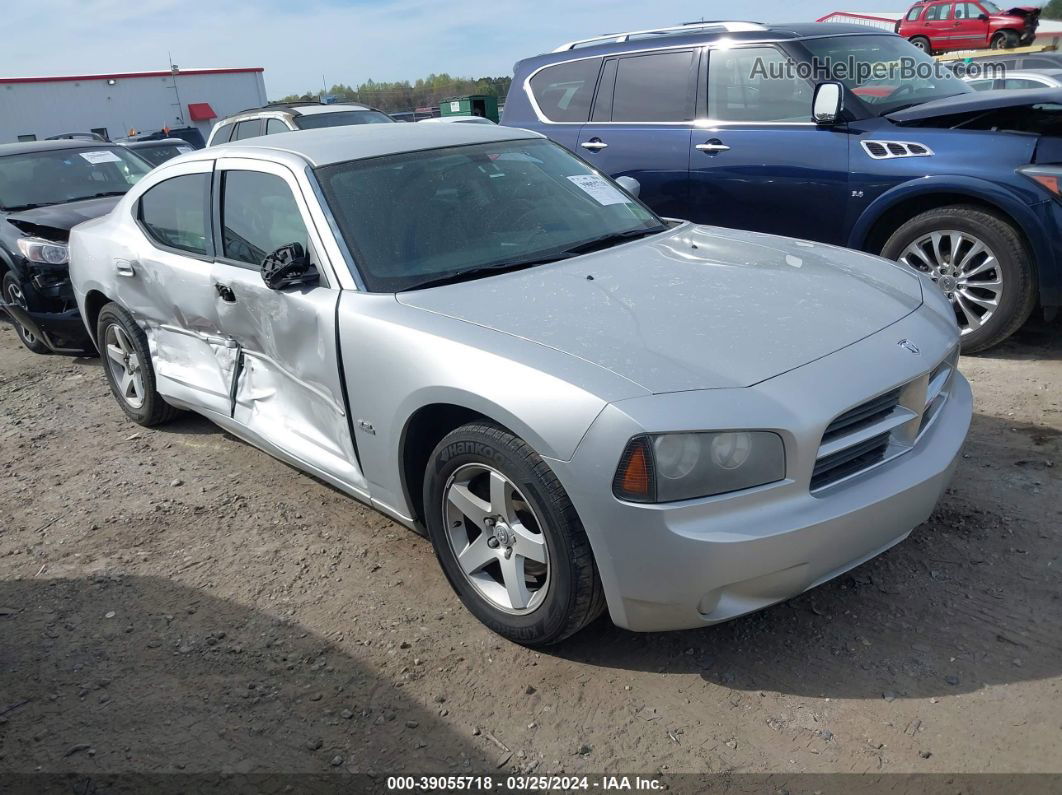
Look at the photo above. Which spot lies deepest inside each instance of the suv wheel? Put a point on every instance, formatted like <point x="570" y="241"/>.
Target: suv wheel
<point x="127" y="364"/>
<point x="922" y="43"/>
<point x="14" y="294"/>
<point x="508" y="538"/>
<point x="981" y="263"/>
<point x="1005" y="40"/>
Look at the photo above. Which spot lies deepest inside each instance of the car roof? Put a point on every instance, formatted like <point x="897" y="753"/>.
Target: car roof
<point x="23" y="147"/>
<point x="312" y="110"/>
<point x="357" y="142"/>
<point x="701" y="33"/>
<point x="154" y="142"/>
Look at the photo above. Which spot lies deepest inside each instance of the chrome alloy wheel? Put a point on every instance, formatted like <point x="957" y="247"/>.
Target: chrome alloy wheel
<point x="496" y="539"/>
<point x="15" y="296"/>
<point x="124" y="364"/>
<point x="965" y="269"/>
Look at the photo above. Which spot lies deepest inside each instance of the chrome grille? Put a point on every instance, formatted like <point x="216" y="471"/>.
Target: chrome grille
<point x="881" y="428"/>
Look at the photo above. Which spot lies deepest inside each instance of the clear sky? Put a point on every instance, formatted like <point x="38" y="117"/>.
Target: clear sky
<point x="347" y="41"/>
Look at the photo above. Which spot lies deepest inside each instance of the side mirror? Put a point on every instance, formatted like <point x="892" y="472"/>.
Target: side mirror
<point x="829" y="101"/>
<point x="983" y="17"/>
<point x="289" y="266"/>
<point x="629" y="184"/>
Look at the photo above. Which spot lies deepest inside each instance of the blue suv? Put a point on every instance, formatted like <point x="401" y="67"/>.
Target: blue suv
<point x="836" y="133"/>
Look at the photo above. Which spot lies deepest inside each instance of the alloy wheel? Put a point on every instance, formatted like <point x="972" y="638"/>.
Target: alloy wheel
<point x="124" y="365"/>
<point x="496" y="539"/>
<point x="965" y="269"/>
<point x="16" y="297"/>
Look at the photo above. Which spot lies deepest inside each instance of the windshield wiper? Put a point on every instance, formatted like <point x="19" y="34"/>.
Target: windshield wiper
<point x="609" y="240"/>
<point x="100" y="195"/>
<point x="31" y="206"/>
<point x="505" y="266"/>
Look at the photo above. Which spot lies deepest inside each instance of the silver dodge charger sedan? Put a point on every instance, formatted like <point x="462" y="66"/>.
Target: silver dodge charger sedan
<point x="583" y="405"/>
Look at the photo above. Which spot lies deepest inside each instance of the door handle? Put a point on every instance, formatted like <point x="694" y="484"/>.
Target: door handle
<point x="594" y="145"/>
<point x="124" y="267"/>
<point x="713" y="145"/>
<point x="225" y="293"/>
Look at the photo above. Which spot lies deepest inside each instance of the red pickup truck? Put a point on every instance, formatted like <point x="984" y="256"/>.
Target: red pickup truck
<point x="936" y="26"/>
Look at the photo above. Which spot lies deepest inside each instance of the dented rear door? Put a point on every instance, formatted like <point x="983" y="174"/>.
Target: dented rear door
<point x="287" y="388"/>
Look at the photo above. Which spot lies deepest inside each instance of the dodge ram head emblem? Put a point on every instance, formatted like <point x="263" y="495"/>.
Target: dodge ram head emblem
<point x="907" y="345"/>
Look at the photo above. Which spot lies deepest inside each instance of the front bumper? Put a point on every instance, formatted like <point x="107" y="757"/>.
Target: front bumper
<point x="700" y="562"/>
<point x="61" y="329"/>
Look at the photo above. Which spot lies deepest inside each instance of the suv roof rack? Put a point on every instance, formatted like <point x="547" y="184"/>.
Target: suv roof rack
<point x="726" y="26"/>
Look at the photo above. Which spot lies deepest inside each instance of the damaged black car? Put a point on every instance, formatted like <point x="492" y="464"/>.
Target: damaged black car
<point x="46" y="188"/>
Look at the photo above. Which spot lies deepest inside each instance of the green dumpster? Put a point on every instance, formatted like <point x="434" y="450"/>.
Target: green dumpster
<point x="474" y="105"/>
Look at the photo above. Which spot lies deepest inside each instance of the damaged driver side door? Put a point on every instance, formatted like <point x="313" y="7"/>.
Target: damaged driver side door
<point x="287" y="391"/>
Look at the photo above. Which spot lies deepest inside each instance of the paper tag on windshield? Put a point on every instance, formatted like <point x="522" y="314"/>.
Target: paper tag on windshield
<point x="184" y="149"/>
<point x="101" y="157"/>
<point x="602" y="192"/>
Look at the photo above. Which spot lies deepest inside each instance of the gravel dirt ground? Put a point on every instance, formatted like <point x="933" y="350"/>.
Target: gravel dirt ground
<point x="174" y="600"/>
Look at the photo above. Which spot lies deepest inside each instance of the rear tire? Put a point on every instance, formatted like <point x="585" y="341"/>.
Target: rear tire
<point x="1014" y="271"/>
<point x="127" y="364"/>
<point x="922" y="43"/>
<point x="15" y="294"/>
<point x="482" y="470"/>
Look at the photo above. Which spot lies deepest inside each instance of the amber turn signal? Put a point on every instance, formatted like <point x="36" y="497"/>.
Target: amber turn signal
<point x="635" y="477"/>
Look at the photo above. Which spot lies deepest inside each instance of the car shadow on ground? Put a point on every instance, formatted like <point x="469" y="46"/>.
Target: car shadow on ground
<point x="972" y="598"/>
<point x="1038" y="339"/>
<point x="113" y="674"/>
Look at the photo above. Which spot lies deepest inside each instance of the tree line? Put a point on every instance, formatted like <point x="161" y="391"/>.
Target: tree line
<point x="402" y="95"/>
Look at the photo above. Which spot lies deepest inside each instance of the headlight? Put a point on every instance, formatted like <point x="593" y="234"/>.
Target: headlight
<point x="683" y="466"/>
<point x="1048" y="177"/>
<point x="36" y="250"/>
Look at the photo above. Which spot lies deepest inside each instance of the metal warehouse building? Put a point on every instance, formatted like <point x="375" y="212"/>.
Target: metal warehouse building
<point x="33" y="108"/>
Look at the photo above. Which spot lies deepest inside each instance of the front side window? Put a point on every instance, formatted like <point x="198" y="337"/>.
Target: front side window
<point x="880" y="71"/>
<point x="37" y="179"/>
<point x="342" y="118"/>
<point x="414" y="218"/>
<point x="756" y="84"/>
<point x="658" y="87"/>
<point x="564" y="92"/>
<point x="174" y="213"/>
<point x="258" y="216"/>
<point x="223" y="134"/>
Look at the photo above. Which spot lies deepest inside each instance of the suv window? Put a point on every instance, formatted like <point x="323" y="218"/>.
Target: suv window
<point x="274" y="126"/>
<point x="251" y="128"/>
<point x="564" y="92"/>
<point x="754" y="84"/>
<point x="658" y="87"/>
<point x="940" y="11"/>
<point x="914" y="13"/>
<point x="223" y="134"/>
<point x="967" y="11"/>
<point x="174" y="213"/>
<point x="258" y="216"/>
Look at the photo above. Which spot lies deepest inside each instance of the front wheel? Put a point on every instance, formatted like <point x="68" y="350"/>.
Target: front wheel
<point x="1004" y="40"/>
<point x="15" y="295"/>
<point x="979" y="261"/>
<point x="127" y="365"/>
<point x="508" y="538"/>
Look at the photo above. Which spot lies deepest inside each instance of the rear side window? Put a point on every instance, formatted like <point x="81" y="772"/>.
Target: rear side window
<point x="659" y="87"/>
<point x="258" y="216"/>
<point x="251" y="128"/>
<point x="752" y="84"/>
<point x="223" y="134"/>
<point x="174" y="213"/>
<point x="564" y="92"/>
<point x="938" y="12"/>
<point x="274" y="126"/>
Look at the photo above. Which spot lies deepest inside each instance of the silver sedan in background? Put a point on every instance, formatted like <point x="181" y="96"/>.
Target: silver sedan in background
<point x="583" y="405"/>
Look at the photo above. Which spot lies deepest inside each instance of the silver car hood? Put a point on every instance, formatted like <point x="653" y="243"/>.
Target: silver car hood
<point x="694" y="308"/>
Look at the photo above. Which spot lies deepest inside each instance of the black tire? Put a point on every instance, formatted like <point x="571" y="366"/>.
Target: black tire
<point x="14" y="293"/>
<point x="1012" y="253"/>
<point x="922" y="43"/>
<point x="154" y="410"/>
<point x="1005" y="40"/>
<point x="574" y="596"/>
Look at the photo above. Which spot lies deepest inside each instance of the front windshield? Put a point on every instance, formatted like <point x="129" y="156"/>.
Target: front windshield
<point x="36" y="179"/>
<point x="414" y="217"/>
<point x="885" y="72"/>
<point x="341" y="118"/>
<point x="990" y="8"/>
<point x="159" y="154"/>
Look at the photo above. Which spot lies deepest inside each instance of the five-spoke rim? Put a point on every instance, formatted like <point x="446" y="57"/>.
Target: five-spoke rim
<point x="124" y="365"/>
<point x="15" y="296"/>
<point x="965" y="269"/>
<point x="496" y="538"/>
